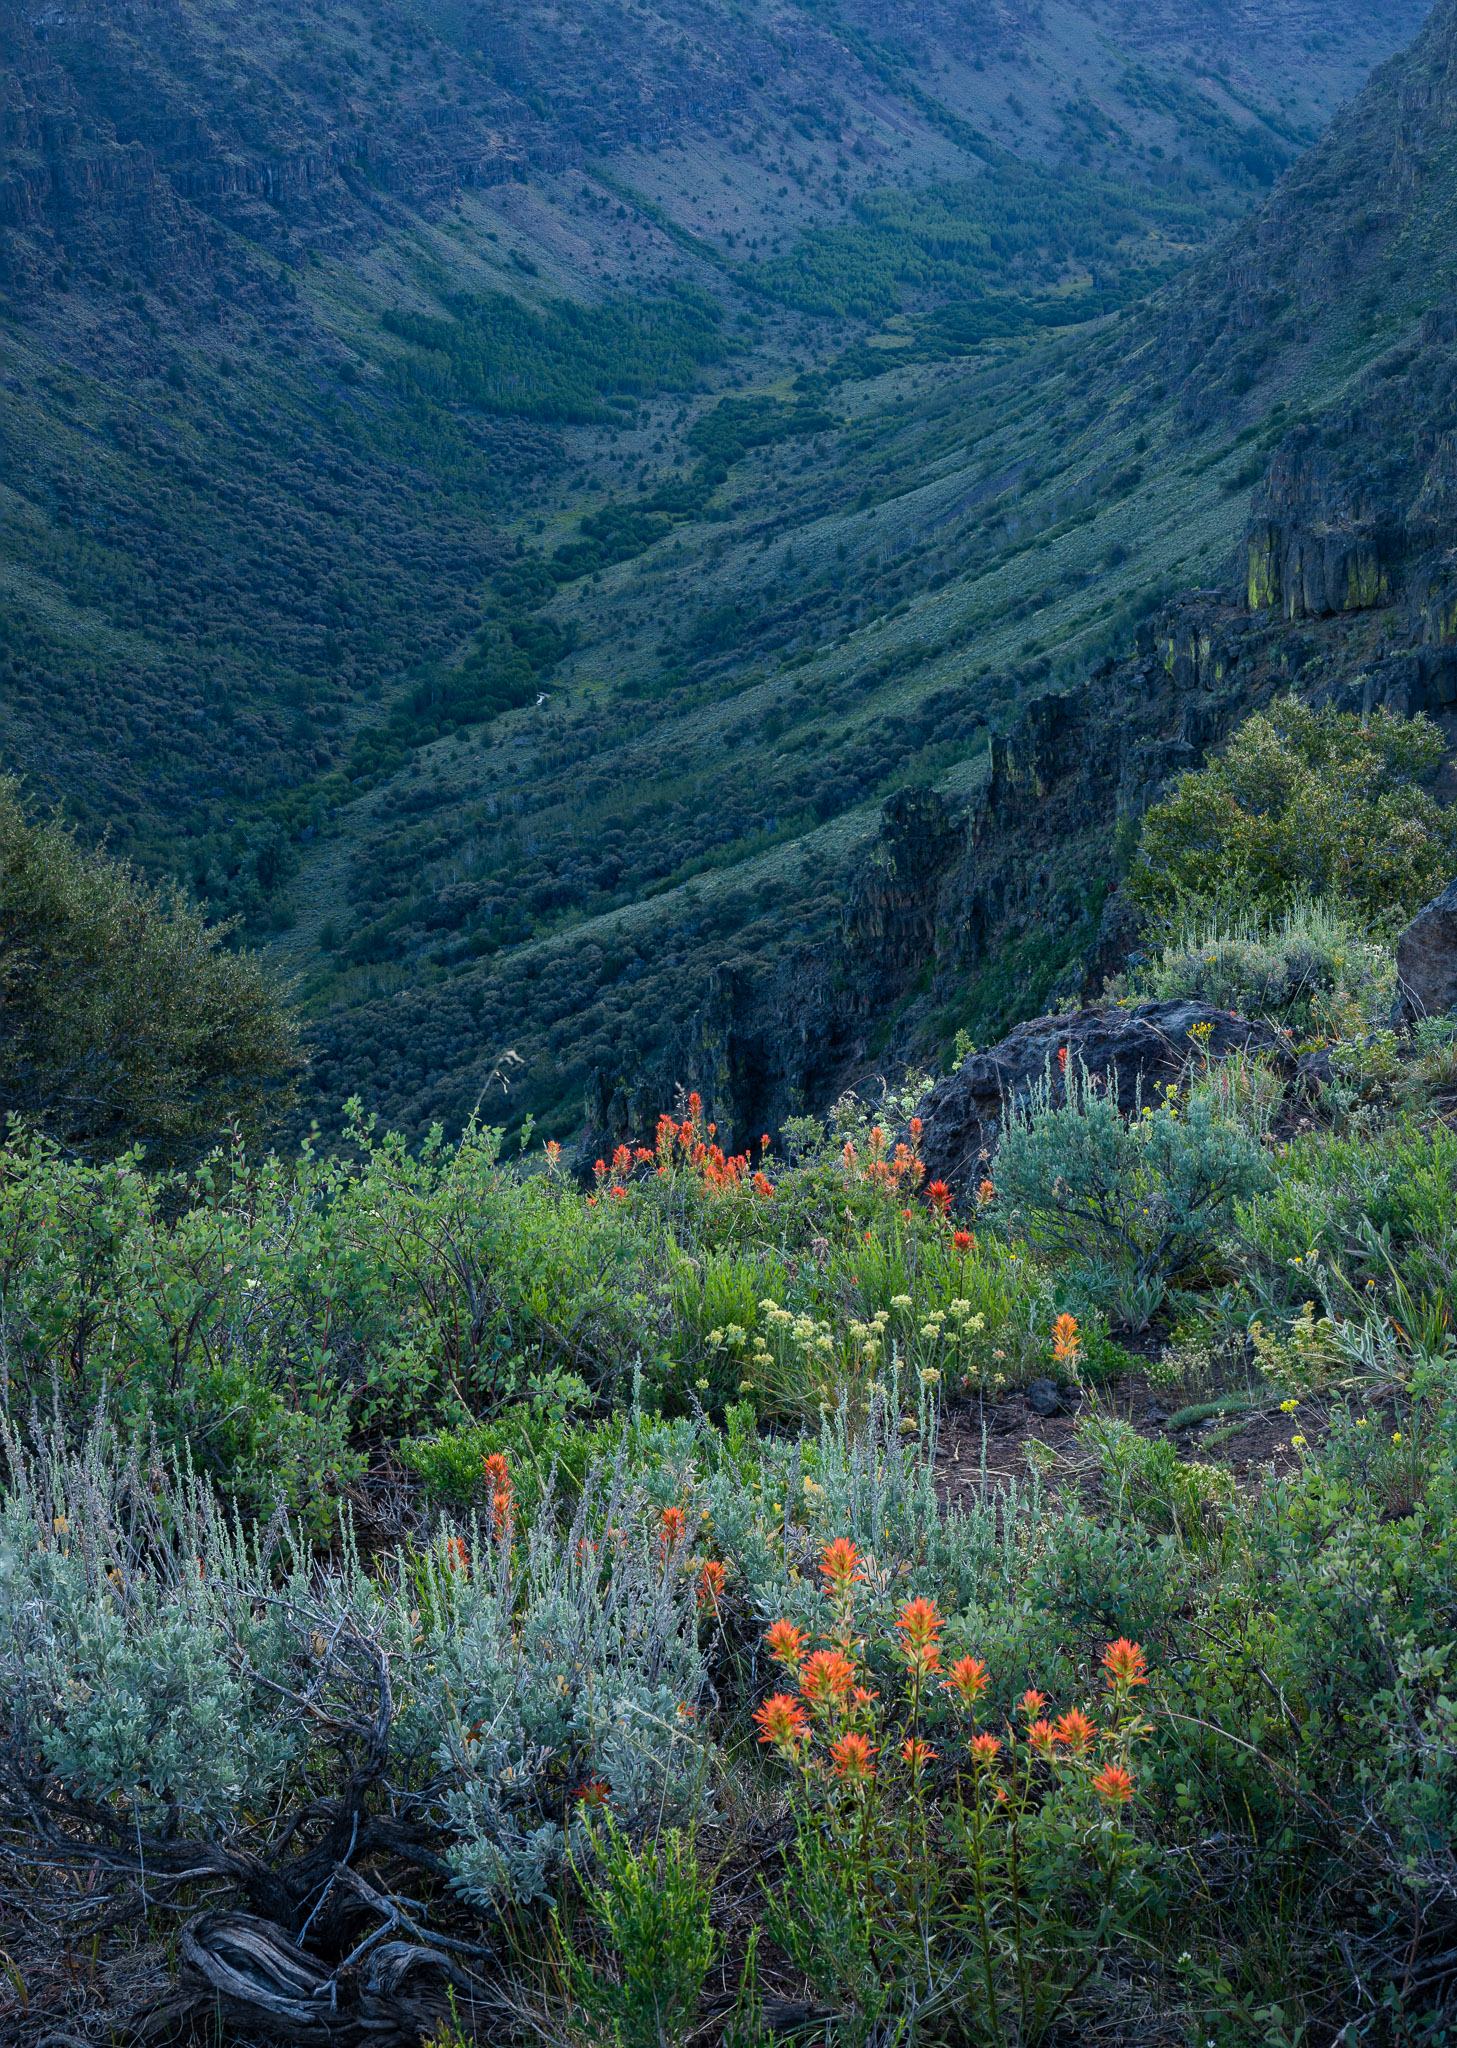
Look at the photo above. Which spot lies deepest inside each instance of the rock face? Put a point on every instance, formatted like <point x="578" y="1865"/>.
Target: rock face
<point x="1137" y="1050"/>
<point x="1426" y="959"/>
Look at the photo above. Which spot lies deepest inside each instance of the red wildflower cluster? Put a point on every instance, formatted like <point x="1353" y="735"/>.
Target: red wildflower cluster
<point x="613" y="1179"/>
<point x="457" y="1557"/>
<point x="896" y="1174"/>
<point x="503" y="1507"/>
<point x="711" y="1576"/>
<point x="833" y="1731"/>
<point x="689" y="1146"/>
<point x="1066" y="1342"/>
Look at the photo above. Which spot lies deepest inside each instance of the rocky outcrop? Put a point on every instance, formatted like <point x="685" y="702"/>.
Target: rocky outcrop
<point x="1133" y="1053"/>
<point x="1426" y="960"/>
<point x="1359" y="509"/>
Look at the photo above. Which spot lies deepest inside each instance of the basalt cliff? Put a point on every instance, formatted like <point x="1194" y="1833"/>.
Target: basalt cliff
<point x="972" y="917"/>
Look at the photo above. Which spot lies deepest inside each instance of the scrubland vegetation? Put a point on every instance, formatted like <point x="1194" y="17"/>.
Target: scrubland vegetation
<point x="609" y="1588"/>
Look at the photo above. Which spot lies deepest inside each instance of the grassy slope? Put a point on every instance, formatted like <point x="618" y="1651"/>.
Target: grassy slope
<point x="1009" y="532"/>
<point x="227" y="547"/>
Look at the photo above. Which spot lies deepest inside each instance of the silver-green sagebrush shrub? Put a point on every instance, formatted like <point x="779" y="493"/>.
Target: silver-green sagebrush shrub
<point x="1148" y="1190"/>
<point x="1311" y="969"/>
<point x="558" y="1677"/>
<point x="164" y="1673"/>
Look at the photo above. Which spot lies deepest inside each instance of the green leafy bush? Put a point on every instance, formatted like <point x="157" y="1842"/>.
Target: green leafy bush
<point x="124" y="1019"/>
<point x="1148" y="1191"/>
<point x="650" y="1908"/>
<point x="1302" y="805"/>
<point x="1310" y="970"/>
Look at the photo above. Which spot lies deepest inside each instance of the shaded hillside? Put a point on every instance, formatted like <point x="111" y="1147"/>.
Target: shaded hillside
<point x="363" y="376"/>
<point x="969" y="910"/>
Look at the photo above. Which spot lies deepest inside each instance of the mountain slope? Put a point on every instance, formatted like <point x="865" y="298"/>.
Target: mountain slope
<point x="364" y="371"/>
<point x="978" y="571"/>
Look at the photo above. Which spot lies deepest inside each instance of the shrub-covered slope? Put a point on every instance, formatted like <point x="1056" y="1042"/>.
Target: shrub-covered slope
<point x="259" y="522"/>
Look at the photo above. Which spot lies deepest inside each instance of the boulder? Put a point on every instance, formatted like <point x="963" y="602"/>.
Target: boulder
<point x="1144" y="1047"/>
<point x="1045" y="1397"/>
<point x="1426" y="960"/>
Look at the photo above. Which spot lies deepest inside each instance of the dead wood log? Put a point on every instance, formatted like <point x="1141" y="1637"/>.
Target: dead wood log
<point x="252" y="1976"/>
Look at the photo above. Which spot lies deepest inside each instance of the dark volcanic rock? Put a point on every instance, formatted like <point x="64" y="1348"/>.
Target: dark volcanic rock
<point x="1044" y="1397"/>
<point x="1426" y="959"/>
<point x="1141" y="1048"/>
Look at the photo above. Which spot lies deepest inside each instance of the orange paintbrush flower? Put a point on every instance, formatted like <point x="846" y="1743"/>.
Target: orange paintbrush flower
<point x="710" y="1584"/>
<point x="1113" y="1785"/>
<point x="498" y="1479"/>
<point x="1124" y="1664"/>
<point x="853" y="1759"/>
<point x="1075" y="1731"/>
<point x="968" y="1680"/>
<point x="782" y="1721"/>
<point x="920" y="1621"/>
<point x="785" y="1644"/>
<point x="985" y="1749"/>
<point x="918" y="1625"/>
<point x="840" y="1563"/>
<point x="826" y="1679"/>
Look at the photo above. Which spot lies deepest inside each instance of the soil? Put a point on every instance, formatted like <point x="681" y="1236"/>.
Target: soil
<point x="988" y="1442"/>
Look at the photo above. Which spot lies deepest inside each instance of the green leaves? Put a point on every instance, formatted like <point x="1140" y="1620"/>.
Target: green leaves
<point x="1303" y="805"/>
<point x="124" y="1019"/>
<point x="650" y="1908"/>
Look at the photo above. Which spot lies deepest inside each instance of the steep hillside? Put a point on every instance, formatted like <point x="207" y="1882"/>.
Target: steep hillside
<point x="973" y="526"/>
<point x="467" y="477"/>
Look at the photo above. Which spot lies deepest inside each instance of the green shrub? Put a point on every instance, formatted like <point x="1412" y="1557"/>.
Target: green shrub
<point x="1365" y="1225"/>
<point x="549" y="1455"/>
<point x="274" y="1317"/>
<point x="1302" y="805"/>
<point x="1310" y="971"/>
<point x="160" y="1667"/>
<point x="1146" y="1192"/>
<point x="650" y="1910"/>
<point x="1149" y="1479"/>
<point x="124" y="1018"/>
